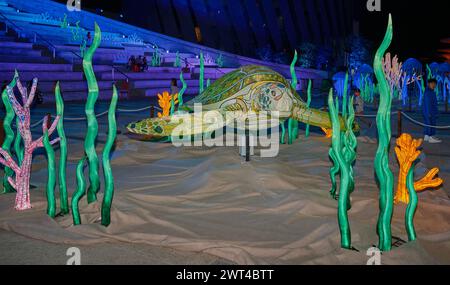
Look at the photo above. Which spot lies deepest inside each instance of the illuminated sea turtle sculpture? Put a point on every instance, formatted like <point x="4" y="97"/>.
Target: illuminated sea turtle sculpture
<point x="248" y="89"/>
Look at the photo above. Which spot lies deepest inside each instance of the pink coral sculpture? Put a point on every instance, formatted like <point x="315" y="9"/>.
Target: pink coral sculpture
<point x="21" y="181"/>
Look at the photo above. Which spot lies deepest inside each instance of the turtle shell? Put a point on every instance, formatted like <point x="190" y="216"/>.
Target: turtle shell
<point x="231" y="83"/>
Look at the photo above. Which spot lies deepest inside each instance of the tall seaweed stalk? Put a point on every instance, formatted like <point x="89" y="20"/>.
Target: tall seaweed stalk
<point x="181" y="93"/>
<point x="345" y="96"/>
<point x="79" y="193"/>
<point x="344" y="155"/>
<point x="51" y="180"/>
<point x="381" y="164"/>
<point x="308" y="104"/>
<point x="107" y="172"/>
<point x="412" y="205"/>
<point x="64" y="200"/>
<point x="202" y="74"/>
<point x="292" y="123"/>
<point x="92" y="124"/>
<point x="9" y="134"/>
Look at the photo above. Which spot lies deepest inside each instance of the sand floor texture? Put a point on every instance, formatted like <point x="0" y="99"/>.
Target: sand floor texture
<point x="207" y="206"/>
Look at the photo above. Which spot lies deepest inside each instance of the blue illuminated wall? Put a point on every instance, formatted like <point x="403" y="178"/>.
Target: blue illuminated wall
<point x="241" y="26"/>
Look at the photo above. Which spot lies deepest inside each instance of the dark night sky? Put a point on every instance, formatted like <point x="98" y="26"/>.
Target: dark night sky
<point x="419" y="25"/>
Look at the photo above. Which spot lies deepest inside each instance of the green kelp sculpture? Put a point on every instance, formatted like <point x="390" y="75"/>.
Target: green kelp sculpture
<point x="92" y="124"/>
<point x="382" y="170"/>
<point x="343" y="154"/>
<point x="107" y="172"/>
<point x="9" y="134"/>
<point x="79" y="193"/>
<point x="292" y="123"/>
<point x="308" y="104"/>
<point x="91" y="155"/>
<point x="64" y="201"/>
<point x="181" y="93"/>
<point x="412" y="205"/>
<point x="202" y="74"/>
<point x="51" y="179"/>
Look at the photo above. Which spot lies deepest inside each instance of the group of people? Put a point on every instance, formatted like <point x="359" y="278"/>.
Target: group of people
<point x="137" y="64"/>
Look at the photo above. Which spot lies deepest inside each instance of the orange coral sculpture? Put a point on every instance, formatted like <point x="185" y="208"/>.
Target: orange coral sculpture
<point x="165" y="101"/>
<point x="407" y="153"/>
<point x="328" y="132"/>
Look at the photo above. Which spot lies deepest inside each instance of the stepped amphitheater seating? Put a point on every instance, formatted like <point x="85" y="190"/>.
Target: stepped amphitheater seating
<point x="37" y="46"/>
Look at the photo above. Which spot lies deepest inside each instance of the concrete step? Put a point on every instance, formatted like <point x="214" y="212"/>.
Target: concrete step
<point x="20" y="51"/>
<point x="5" y="38"/>
<point x="43" y="76"/>
<point x="77" y="96"/>
<point x="214" y="72"/>
<point x="164" y="83"/>
<point x="151" y="74"/>
<point x="71" y="86"/>
<point x="16" y="45"/>
<point x="35" y="67"/>
<point x="96" y="61"/>
<point x="24" y="59"/>
<point x="153" y="92"/>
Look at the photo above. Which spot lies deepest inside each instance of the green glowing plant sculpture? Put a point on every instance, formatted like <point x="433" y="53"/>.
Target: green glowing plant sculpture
<point x="80" y="191"/>
<point x="381" y="164"/>
<point x="183" y="89"/>
<point x="156" y="57"/>
<point x="345" y="96"/>
<point x="202" y="74"/>
<point x="107" y="172"/>
<point x="177" y="62"/>
<point x="343" y="153"/>
<point x="51" y="180"/>
<point x="412" y="205"/>
<point x="220" y="61"/>
<point x="292" y="123"/>
<point x="9" y="134"/>
<point x="92" y="124"/>
<point x="283" y="132"/>
<point x="64" y="200"/>
<point x="308" y="104"/>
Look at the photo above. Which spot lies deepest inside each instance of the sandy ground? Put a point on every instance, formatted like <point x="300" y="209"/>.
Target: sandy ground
<point x="207" y="206"/>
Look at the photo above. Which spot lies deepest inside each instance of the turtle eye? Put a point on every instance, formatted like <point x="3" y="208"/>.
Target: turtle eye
<point x="158" y="129"/>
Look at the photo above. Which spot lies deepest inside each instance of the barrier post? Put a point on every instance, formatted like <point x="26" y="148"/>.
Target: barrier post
<point x="399" y="123"/>
<point x="410" y="103"/>
<point x="446" y="104"/>
<point x="247" y="146"/>
<point x="152" y="111"/>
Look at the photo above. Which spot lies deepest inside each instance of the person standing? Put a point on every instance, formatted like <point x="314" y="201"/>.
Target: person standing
<point x="174" y="86"/>
<point x="359" y="108"/>
<point x="430" y="112"/>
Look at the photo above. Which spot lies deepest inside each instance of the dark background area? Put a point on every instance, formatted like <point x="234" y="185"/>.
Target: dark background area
<point x="419" y="25"/>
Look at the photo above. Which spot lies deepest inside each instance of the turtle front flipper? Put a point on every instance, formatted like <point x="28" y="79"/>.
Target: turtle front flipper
<point x="179" y="124"/>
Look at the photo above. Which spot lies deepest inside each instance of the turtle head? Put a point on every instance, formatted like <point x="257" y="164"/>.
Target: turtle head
<point x="274" y="96"/>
